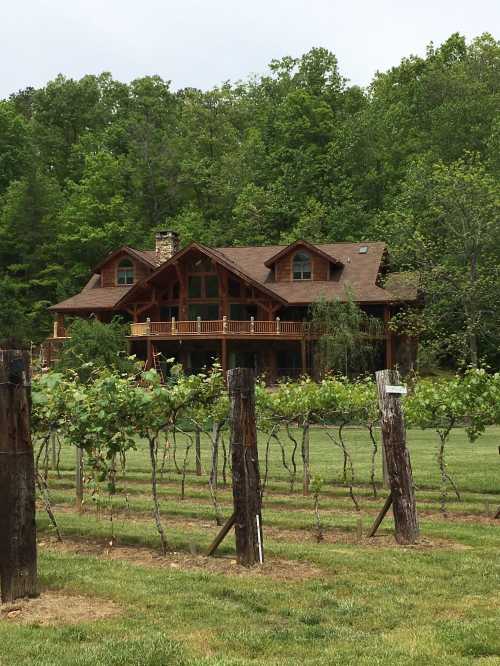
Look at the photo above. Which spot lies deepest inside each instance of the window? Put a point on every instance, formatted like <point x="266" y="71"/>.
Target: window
<point x="301" y="266"/>
<point x="125" y="272"/>
<point x="194" y="286"/>
<point x="169" y="311"/>
<point x="234" y="288"/>
<point x="242" y="311"/>
<point x="206" y="311"/>
<point x="211" y="286"/>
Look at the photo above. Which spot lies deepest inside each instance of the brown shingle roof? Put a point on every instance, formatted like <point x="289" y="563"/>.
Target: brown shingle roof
<point x="359" y="272"/>
<point x="92" y="298"/>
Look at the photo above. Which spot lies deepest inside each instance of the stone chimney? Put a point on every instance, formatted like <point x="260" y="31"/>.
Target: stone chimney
<point x="167" y="244"/>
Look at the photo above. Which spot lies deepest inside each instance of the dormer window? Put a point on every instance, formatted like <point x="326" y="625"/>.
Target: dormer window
<point x="301" y="266"/>
<point x="125" y="273"/>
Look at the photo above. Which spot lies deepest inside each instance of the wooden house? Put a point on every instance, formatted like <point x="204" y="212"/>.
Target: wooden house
<point x="241" y="305"/>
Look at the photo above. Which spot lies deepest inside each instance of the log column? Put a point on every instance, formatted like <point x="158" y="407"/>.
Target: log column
<point x="224" y="357"/>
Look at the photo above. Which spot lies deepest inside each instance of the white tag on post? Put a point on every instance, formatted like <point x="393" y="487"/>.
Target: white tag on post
<point x="401" y="390"/>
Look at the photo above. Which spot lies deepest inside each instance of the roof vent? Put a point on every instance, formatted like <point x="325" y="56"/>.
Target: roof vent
<point x="363" y="249"/>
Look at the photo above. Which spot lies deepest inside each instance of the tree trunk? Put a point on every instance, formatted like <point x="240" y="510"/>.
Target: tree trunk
<point x="397" y="459"/>
<point x="18" y="554"/>
<point x="246" y="475"/>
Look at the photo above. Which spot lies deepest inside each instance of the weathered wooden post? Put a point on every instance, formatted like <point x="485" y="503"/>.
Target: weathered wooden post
<point x="247" y="517"/>
<point x="397" y="458"/>
<point x="18" y="569"/>
<point x="246" y="476"/>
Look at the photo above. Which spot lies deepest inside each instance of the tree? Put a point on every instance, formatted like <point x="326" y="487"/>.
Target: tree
<point x="446" y="224"/>
<point x="346" y="343"/>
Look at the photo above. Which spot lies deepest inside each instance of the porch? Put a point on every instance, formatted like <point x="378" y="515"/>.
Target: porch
<point x="224" y="327"/>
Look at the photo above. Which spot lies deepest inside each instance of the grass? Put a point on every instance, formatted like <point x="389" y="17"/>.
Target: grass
<point x="370" y="602"/>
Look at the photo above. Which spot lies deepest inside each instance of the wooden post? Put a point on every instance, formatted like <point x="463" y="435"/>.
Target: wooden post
<point x="79" y="479"/>
<point x="149" y="354"/>
<point x="223" y="343"/>
<point x="197" y="445"/>
<point x="381" y="516"/>
<point x="305" y="458"/>
<point x="397" y="458"/>
<point x="303" y="356"/>
<point x="246" y="477"/>
<point x="18" y="554"/>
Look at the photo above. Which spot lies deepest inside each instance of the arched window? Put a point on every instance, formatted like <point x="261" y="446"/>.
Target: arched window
<point x="301" y="266"/>
<point x="125" y="272"/>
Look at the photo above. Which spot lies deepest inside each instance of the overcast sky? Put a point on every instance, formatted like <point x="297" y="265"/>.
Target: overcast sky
<point x="204" y="42"/>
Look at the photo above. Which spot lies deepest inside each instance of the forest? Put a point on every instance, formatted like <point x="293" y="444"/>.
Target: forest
<point x="414" y="159"/>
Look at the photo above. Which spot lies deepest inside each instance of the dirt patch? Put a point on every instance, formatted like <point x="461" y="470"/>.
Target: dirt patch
<point x="57" y="608"/>
<point x="457" y="517"/>
<point x="272" y="568"/>
<point x="349" y="537"/>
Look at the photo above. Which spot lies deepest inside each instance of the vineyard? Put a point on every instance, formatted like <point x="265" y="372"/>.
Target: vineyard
<point x="155" y="488"/>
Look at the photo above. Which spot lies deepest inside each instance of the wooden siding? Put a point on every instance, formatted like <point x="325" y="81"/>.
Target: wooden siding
<point x="283" y="269"/>
<point x="320" y="268"/>
<point x="109" y="271"/>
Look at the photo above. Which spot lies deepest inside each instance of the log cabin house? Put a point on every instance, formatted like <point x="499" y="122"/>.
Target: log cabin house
<point x="245" y="306"/>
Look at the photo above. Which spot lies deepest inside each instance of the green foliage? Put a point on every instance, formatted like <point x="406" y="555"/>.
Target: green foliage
<point x="346" y="342"/>
<point x="93" y="344"/>
<point x="86" y="165"/>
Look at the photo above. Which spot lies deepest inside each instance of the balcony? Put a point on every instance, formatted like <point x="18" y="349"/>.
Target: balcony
<point x="220" y="328"/>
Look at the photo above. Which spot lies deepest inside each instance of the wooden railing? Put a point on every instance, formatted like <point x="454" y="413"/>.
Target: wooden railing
<point x="223" y="326"/>
<point x="59" y="330"/>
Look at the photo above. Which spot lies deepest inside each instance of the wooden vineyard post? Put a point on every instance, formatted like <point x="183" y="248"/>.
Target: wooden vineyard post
<point x="79" y="479"/>
<point x="247" y="517"/>
<point x="305" y="458"/>
<point x="246" y="476"/>
<point x="397" y="457"/>
<point x="18" y="555"/>
<point x="197" y="442"/>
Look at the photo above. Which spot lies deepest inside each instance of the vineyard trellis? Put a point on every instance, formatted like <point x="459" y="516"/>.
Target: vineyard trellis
<point x="106" y="417"/>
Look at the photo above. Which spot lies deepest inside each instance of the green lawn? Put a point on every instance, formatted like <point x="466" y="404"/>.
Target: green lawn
<point x="346" y="600"/>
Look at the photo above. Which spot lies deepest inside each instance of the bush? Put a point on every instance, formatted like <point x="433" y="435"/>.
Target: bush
<point x="94" y="344"/>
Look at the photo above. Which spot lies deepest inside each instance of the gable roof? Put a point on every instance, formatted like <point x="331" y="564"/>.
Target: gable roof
<point x="146" y="257"/>
<point x="357" y="271"/>
<point x="315" y="249"/>
<point x="217" y="256"/>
